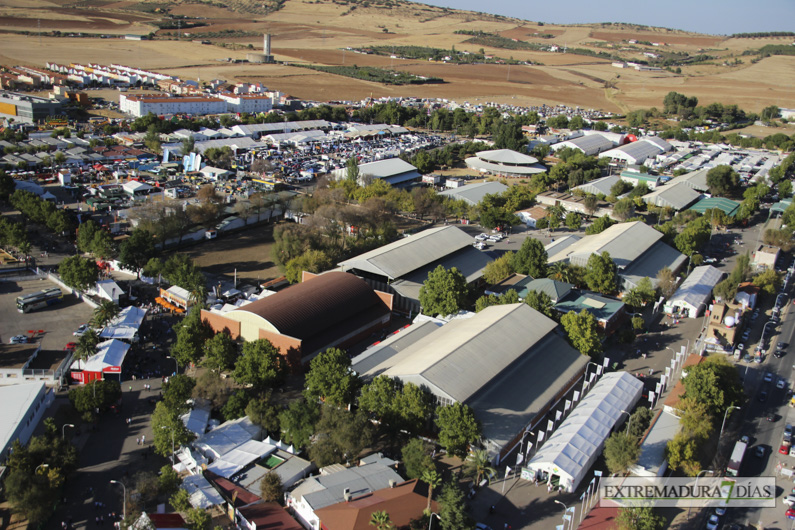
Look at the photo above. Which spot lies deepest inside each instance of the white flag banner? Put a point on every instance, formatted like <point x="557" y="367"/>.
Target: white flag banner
<point x="592" y="378"/>
<point x="519" y="459"/>
<point x="540" y="436"/>
<point x="567" y="517"/>
<point x="651" y="396"/>
<point x="567" y="404"/>
<point x="597" y="473"/>
<point x="576" y="396"/>
<point x="558" y="415"/>
<point x="659" y="388"/>
<point x="550" y="425"/>
<point x="673" y="364"/>
<point x="599" y="370"/>
<point x="606" y="362"/>
<point x="668" y="371"/>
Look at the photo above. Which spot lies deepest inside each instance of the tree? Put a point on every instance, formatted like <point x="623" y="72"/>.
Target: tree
<point x="599" y="225"/>
<point x="168" y="430"/>
<point x="176" y="393"/>
<point x="270" y="488"/>
<point x="298" y="422"/>
<point x="768" y="281"/>
<point x="531" y="259"/>
<point x="723" y="181"/>
<point x="624" y="209"/>
<point x="417" y="458"/>
<point x="581" y="329"/>
<point x="639" y="518"/>
<point x="188" y="145"/>
<point x="168" y="481"/>
<point x="621" y="452"/>
<point x="352" y="170"/>
<point x="99" y="394"/>
<point x="452" y="508"/>
<point x="330" y="378"/>
<point x="191" y="334"/>
<point x="770" y="113"/>
<point x="379" y="397"/>
<point x="444" y="292"/>
<point x="666" y="281"/>
<point x="414" y="407"/>
<point x="457" y="428"/>
<point x="682" y="454"/>
<point x="601" y="273"/>
<point x="478" y="465"/>
<point x="199" y="519"/>
<point x="85" y="235"/>
<point x="79" y="273"/>
<point x="87" y="346"/>
<point x="220" y="353"/>
<point x="695" y="419"/>
<point x="591" y="203"/>
<point x="540" y="301"/>
<point x="499" y="269"/>
<point x="715" y="383"/>
<point x="340" y="436"/>
<point x="137" y="250"/>
<point x="263" y="412"/>
<point x="380" y="520"/>
<point x="311" y="261"/>
<point x="106" y="311"/>
<point x="432" y="478"/>
<point x="260" y="365"/>
<point x="641" y="419"/>
<point x="573" y="221"/>
<point x="180" y="500"/>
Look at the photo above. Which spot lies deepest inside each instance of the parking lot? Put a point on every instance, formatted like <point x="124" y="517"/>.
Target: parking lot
<point x="56" y="323"/>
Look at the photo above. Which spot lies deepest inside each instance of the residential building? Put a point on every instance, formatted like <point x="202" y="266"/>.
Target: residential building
<point x="141" y="105"/>
<point x="765" y="257"/>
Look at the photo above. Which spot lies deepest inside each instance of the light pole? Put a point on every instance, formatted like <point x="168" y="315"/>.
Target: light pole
<point x="63" y="430"/>
<point x="565" y="512"/>
<point x="124" y="498"/>
<point x="176" y="364"/>
<point x="696" y="484"/>
<point x="724" y="420"/>
<point x="629" y="421"/>
<point x="40" y="466"/>
<point x="430" y="524"/>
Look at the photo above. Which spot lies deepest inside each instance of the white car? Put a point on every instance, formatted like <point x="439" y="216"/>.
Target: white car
<point x="789" y="500"/>
<point x="781" y="383"/>
<point x="768" y="377"/>
<point x="81" y="330"/>
<point x="713" y="522"/>
<point x="18" y="339"/>
<point x="482" y="237"/>
<point x="480" y="245"/>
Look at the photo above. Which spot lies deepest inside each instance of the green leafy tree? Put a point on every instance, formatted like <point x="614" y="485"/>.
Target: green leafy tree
<point x="199" y="519"/>
<point x="601" y="273"/>
<point x="573" y="221"/>
<point x="191" y="335"/>
<point x="260" y="365"/>
<point x="79" y="273"/>
<point x="452" y="508"/>
<point x="695" y="419"/>
<point x="417" y="458"/>
<point x="639" y="518"/>
<point x="624" y="209"/>
<point x="379" y="397"/>
<point x="168" y="481"/>
<point x="271" y="489"/>
<point x="235" y="406"/>
<point x="432" y="478"/>
<point x="311" y="261"/>
<point x="262" y="411"/>
<point x="621" y="452"/>
<point x="105" y="312"/>
<point x="168" y="430"/>
<point x="352" y="170"/>
<point x="85" y="235"/>
<point x="508" y="297"/>
<point x="414" y="407"/>
<point x="641" y="419"/>
<point x="220" y="353"/>
<point x="768" y="281"/>
<point x="478" y="465"/>
<point x="682" y="454"/>
<point x="599" y="225"/>
<point x="180" y="500"/>
<point x="715" y="383"/>
<point x="137" y="250"/>
<point x="666" y="282"/>
<point x="99" y="394"/>
<point x="87" y="346"/>
<point x="540" y="301"/>
<point x="380" y="519"/>
<point x="499" y="269"/>
<point x="340" y="436"/>
<point x="531" y="259"/>
<point x="177" y="391"/>
<point x="458" y="428"/>
<point x="298" y="422"/>
<point x="331" y="378"/>
<point x="582" y="331"/>
<point x="723" y="181"/>
<point x="444" y="292"/>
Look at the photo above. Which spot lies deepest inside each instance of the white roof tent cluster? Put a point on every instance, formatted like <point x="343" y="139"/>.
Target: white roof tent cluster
<point x="505" y="162"/>
<point x="574" y="447"/>
<point x="695" y="292"/>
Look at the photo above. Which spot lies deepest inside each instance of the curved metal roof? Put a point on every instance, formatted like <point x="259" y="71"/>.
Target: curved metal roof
<point x="506" y="156"/>
<point x="308" y="308"/>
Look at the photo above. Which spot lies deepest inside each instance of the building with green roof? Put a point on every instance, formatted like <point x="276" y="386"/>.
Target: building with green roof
<point x="727" y="206"/>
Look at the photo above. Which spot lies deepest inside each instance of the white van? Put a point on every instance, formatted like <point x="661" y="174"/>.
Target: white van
<point x="211" y="234"/>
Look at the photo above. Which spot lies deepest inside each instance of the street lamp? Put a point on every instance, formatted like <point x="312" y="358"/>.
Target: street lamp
<point x="176" y="364"/>
<point x="124" y="498"/>
<point x="63" y="430"/>
<point x="629" y="421"/>
<point x="40" y="466"/>
<point x="696" y="484"/>
<point x="430" y="524"/>
<point x="724" y="420"/>
<point x="565" y="512"/>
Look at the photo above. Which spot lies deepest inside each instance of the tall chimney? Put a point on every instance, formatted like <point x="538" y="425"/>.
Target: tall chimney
<point x="267" y="44"/>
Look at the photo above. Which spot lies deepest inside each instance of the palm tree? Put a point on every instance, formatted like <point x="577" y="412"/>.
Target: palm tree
<point x="559" y="271"/>
<point x="432" y="479"/>
<point x="86" y="346"/>
<point x="381" y="520"/>
<point x="106" y="311"/>
<point x="479" y="465"/>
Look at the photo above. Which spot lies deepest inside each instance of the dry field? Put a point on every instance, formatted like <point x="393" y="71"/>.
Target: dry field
<point x="317" y="31"/>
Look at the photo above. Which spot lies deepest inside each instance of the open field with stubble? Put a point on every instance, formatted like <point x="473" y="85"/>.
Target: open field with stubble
<point x="318" y="31"/>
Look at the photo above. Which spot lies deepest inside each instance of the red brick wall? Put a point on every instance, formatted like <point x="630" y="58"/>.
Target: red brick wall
<point x="219" y="323"/>
<point x="387" y="298"/>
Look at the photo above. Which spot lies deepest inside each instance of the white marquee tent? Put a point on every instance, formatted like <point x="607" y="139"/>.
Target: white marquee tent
<point x="240" y="457"/>
<point x="572" y="449"/>
<point x="695" y="292"/>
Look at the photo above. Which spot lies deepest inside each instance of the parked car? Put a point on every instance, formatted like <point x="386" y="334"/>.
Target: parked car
<point x="713" y="522"/>
<point x="784" y="449"/>
<point x="720" y="510"/>
<point x="481" y="237"/>
<point x="18" y="339"/>
<point x="789" y="500"/>
<point x="81" y="330"/>
<point x="70" y="346"/>
<point x="768" y="377"/>
<point x="760" y="451"/>
<point x="781" y="383"/>
<point x="762" y="396"/>
<point x="790" y="513"/>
